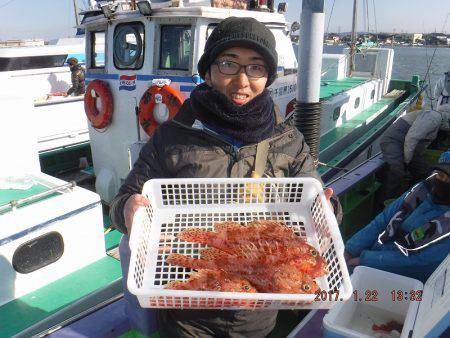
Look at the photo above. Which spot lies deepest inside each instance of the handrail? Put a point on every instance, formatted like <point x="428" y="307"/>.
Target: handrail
<point x="16" y="203"/>
<point x="59" y="101"/>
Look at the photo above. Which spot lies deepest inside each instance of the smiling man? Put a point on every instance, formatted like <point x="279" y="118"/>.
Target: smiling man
<point x="217" y="133"/>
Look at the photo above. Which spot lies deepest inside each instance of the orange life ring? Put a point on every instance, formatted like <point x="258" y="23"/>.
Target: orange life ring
<point x="99" y="119"/>
<point x="169" y="96"/>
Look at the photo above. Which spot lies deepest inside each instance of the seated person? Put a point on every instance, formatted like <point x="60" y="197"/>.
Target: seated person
<point x="411" y="237"/>
<point x="405" y="141"/>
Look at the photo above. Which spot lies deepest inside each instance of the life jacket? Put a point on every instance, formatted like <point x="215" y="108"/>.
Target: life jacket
<point x="428" y="233"/>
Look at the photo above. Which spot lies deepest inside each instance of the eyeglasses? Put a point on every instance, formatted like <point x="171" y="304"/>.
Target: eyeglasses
<point x="234" y="68"/>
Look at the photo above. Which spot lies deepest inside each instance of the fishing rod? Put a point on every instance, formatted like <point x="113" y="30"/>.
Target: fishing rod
<point x="429" y="66"/>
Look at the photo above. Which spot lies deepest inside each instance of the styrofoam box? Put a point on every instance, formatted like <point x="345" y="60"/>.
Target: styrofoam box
<point x="178" y="204"/>
<point x="354" y="318"/>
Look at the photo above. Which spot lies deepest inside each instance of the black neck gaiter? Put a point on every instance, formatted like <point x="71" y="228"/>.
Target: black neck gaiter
<point x="250" y="123"/>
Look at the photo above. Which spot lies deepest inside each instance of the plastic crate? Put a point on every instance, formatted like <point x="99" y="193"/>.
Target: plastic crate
<point x="424" y="310"/>
<point x="177" y="204"/>
<point x="373" y="305"/>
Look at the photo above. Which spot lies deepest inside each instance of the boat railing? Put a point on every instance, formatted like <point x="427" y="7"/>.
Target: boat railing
<point x="14" y="204"/>
<point x="59" y="101"/>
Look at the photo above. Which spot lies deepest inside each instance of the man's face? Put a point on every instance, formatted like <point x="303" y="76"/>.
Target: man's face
<point x="72" y="64"/>
<point x="239" y="88"/>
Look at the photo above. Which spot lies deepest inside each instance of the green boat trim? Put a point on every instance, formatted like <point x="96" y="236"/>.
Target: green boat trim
<point x="330" y="88"/>
<point x="46" y="302"/>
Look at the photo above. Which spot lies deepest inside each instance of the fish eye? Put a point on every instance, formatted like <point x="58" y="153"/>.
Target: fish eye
<point x="247" y="287"/>
<point x="306" y="287"/>
<point x="314" y="252"/>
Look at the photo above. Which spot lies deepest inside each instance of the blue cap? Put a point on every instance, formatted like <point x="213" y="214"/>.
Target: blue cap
<point x="444" y="162"/>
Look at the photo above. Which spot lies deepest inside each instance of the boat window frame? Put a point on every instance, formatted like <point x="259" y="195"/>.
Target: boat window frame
<point x="28" y="250"/>
<point x="337" y="112"/>
<point x="159" y="23"/>
<point x="91" y="46"/>
<point x="141" y="57"/>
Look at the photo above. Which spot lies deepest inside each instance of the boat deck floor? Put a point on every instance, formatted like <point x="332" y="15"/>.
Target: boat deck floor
<point x="362" y="118"/>
<point x="370" y="122"/>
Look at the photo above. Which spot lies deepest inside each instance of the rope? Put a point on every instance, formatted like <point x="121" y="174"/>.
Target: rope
<point x="329" y="19"/>
<point x="367" y="14"/>
<point x="364" y="19"/>
<point x="430" y="97"/>
<point x="375" y="18"/>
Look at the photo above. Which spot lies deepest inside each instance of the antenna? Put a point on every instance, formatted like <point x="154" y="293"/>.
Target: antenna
<point x="353" y="39"/>
<point x="75" y="12"/>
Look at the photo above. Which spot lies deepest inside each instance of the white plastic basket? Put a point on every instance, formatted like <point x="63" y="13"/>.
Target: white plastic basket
<point x="178" y="204"/>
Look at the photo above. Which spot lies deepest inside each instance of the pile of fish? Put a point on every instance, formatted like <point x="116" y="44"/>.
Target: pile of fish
<point x="262" y="256"/>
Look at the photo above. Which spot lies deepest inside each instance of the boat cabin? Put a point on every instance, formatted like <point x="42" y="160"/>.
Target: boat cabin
<point x="149" y="45"/>
<point x="165" y="43"/>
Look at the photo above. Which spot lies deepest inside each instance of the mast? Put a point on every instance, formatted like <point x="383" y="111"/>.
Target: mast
<point x="354" y="36"/>
<point x="75" y="11"/>
<point x="308" y="107"/>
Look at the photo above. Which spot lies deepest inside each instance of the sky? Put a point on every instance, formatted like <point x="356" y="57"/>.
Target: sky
<point x="48" y="19"/>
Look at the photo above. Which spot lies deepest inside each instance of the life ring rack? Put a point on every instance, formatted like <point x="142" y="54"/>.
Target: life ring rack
<point x="99" y="118"/>
<point x="159" y="92"/>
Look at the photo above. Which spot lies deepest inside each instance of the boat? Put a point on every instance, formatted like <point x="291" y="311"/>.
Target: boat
<point x="42" y="75"/>
<point x="87" y="299"/>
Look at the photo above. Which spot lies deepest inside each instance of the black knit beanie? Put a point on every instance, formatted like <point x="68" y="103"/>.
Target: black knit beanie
<point x="240" y="32"/>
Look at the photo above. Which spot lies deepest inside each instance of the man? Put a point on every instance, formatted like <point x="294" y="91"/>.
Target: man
<point x="411" y="237"/>
<point x="216" y="134"/>
<point x="77" y="76"/>
<point x="404" y="142"/>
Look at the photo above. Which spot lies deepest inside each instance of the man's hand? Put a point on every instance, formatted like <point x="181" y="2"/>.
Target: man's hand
<point x="354" y="261"/>
<point x="328" y="193"/>
<point x="65" y="94"/>
<point x="350" y="260"/>
<point x="347" y="256"/>
<point x="131" y="205"/>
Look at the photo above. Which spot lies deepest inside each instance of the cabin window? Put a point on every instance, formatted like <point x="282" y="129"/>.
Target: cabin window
<point x="129" y="46"/>
<point x="98" y="49"/>
<point x="31" y="62"/>
<point x="175" y="47"/>
<point x="372" y="94"/>
<point x="38" y="252"/>
<point x="357" y="102"/>
<point x="336" y="113"/>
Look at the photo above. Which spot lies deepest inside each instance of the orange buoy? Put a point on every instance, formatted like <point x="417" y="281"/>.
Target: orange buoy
<point x="98" y="89"/>
<point x="164" y="94"/>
